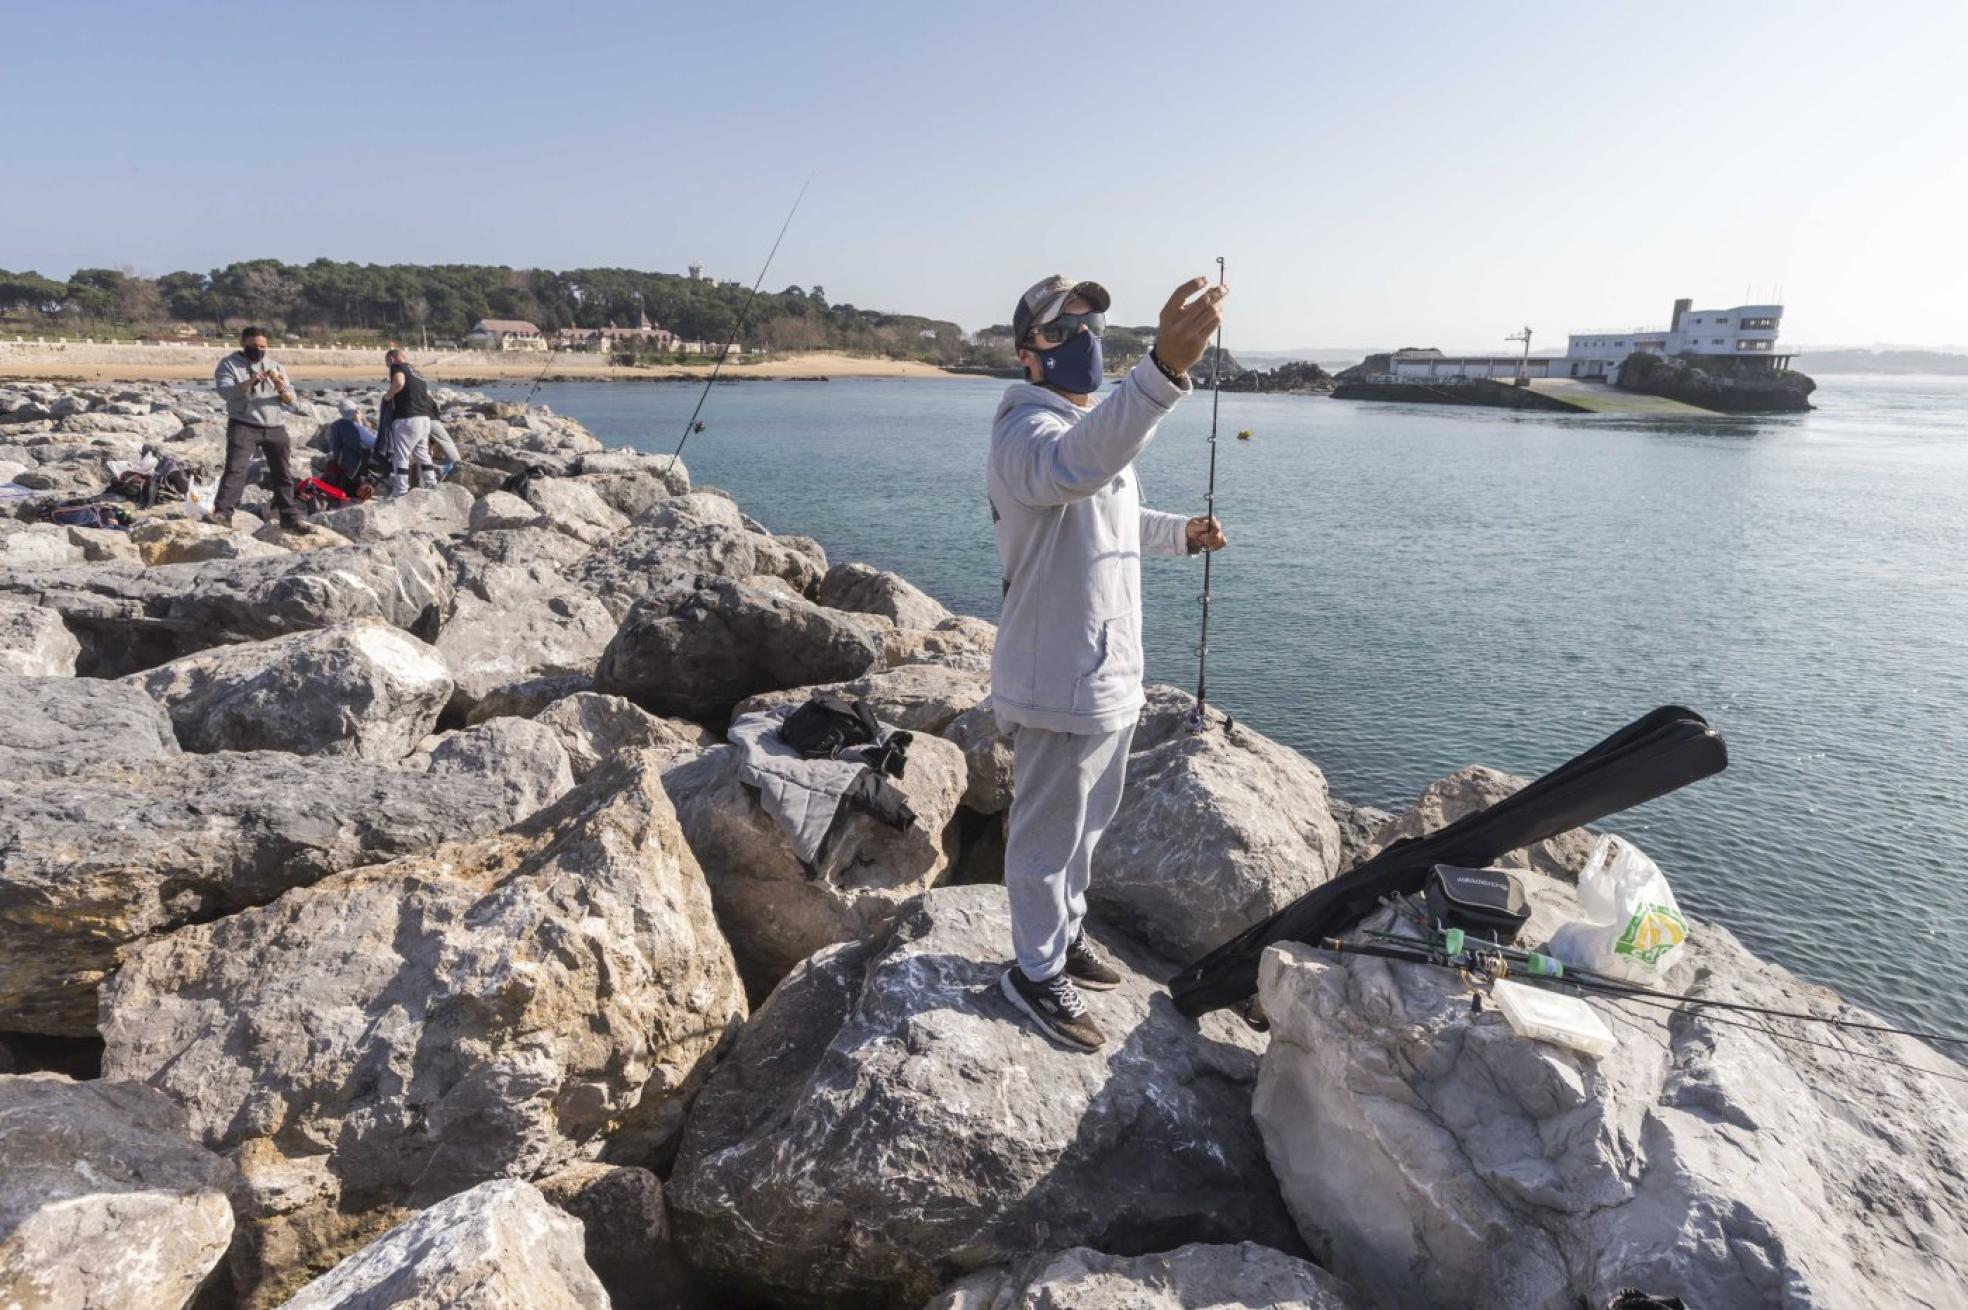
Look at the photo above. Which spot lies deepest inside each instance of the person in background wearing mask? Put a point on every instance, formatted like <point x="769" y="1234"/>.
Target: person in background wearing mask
<point x="254" y="389"/>
<point x="411" y="410"/>
<point x="1066" y="673"/>
<point x="349" y="444"/>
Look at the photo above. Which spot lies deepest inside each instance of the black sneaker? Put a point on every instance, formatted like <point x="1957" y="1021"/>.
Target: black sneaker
<point x="221" y="517"/>
<point x="1055" y="1005"/>
<point x="1089" y="966"/>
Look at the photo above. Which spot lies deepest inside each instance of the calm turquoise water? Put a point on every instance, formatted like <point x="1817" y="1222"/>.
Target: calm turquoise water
<point x="1411" y="589"/>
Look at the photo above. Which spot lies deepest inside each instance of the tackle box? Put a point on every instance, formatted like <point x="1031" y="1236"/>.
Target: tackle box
<point x="1547" y="1016"/>
<point x="1486" y="903"/>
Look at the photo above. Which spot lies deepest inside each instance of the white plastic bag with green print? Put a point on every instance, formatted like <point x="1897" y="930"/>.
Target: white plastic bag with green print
<point x="1630" y="926"/>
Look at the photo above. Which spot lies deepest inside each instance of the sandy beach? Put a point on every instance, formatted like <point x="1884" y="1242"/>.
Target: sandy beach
<point x="87" y="362"/>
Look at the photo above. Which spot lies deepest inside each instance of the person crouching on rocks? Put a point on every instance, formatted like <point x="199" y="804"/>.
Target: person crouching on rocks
<point x="254" y="388"/>
<point x="411" y="410"/>
<point x="1066" y="673"/>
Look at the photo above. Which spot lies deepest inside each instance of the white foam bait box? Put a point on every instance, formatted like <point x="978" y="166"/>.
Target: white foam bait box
<point x="1548" y="1016"/>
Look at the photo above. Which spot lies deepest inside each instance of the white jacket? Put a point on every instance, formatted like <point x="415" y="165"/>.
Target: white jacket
<point x="1066" y="504"/>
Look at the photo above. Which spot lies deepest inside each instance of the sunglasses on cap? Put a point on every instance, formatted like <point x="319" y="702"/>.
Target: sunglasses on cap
<point x="1067" y="325"/>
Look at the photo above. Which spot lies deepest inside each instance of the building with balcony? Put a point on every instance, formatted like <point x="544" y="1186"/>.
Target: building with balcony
<point x="1743" y="333"/>
<point x="505" y="334"/>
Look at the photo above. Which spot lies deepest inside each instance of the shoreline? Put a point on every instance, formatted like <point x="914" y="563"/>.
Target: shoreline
<point x="88" y="362"/>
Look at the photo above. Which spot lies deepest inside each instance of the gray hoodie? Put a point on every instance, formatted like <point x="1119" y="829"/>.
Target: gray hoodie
<point x="261" y="405"/>
<point x="1066" y="503"/>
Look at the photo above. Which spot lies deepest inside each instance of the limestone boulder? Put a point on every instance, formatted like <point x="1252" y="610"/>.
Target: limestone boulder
<point x="777" y="912"/>
<point x="1243" y="1274"/>
<point x="133" y="849"/>
<point x="105" y="545"/>
<point x="673" y="472"/>
<point x="523" y="759"/>
<point x="888" y="1121"/>
<point x="698" y="644"/>
<point x="620" y="572"/>
<point x="1358" y="826"/>
<point x="34" y="643"/>
<point x="513" y="547"/>
<point x="129" y="618"/>
<point x="55" y="727"/>
<point x="501" y="510"/>
<point x="103" y="1199"/>
<point x="872" y="591"/>
<point x="188" y="541"/>
<point x="1436" y="1158"/>
<point x="363" y="688"/>
<point x="144" y="427"/>
<point x="42" y="546"/>
<point x="594" y="728"/>
<point x="920" y="697"/>
<point x="441" y="510"/>
<point x="960" y="642"/>
<point x="694" y="507"/>
<point x="497" y="1246"/>
<point x="1477" y="787"/>
<point x="486" y="1009"/>
<point x="987" y="758"/>
<point x="794" y="567"/>
<point x="631" y="492"/>
<point x="575" y="509"/>
<point x="519" y="623"/>
<point x="626" y="1231"/>
<point x="1216" y="831"/>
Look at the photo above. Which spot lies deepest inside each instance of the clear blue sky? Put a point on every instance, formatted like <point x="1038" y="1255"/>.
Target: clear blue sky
<point x="1416" y="174"/>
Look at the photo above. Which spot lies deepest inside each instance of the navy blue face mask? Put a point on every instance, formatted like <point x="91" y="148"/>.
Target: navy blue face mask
<point x="1074" y="365"/>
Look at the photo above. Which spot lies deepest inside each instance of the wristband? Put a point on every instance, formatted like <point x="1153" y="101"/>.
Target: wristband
<point x="1167" y="372"/>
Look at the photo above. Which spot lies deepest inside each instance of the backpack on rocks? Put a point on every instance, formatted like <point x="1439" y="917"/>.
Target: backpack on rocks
<point x="826" y="728"/>
<point x="520" y="481"/>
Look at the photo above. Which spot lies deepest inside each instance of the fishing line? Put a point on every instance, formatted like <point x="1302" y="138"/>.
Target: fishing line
<point x="693" y="425"/>
<point x="1198" y="717"/>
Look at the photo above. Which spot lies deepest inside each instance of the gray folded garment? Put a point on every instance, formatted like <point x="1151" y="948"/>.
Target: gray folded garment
<point x="810" y="799"/>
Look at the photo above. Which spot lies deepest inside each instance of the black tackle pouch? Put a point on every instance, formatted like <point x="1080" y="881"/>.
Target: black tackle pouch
<point x="1486" y="903"/>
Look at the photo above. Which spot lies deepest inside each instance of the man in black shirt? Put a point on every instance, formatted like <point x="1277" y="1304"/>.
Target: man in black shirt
<point x="411" y="411"/>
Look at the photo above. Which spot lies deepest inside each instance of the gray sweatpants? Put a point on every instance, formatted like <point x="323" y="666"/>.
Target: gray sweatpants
<point x="1066" y="787"/>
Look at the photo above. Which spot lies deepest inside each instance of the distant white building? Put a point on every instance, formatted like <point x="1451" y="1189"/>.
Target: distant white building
<point x="505" y="334"/>
<point x="1745" y="332"/>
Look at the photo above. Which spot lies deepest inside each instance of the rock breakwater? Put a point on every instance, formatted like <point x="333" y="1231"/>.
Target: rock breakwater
<point x="401" y="881"/>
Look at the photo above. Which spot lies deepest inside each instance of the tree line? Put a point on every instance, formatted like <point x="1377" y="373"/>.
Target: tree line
<point x="408" y="301"/>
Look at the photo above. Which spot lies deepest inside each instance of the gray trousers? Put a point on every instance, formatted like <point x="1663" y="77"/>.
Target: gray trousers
<point x="1066" y="787"/>
<point x="410" y="451"/>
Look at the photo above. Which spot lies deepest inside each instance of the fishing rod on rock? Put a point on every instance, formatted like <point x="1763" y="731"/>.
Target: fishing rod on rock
<point x="1199" y="716"/>
<point x="743" y="315"/>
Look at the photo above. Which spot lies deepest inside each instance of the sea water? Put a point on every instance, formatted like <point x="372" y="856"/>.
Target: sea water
<point x="1409" y="589"/>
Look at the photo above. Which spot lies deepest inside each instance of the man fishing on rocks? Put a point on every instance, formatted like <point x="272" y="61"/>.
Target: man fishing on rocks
<point x="1066" y="673"/>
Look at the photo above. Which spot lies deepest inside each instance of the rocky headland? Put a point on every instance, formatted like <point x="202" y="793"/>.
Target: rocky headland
<point x="1725" y="386"/>
<point x="384" y="921"/>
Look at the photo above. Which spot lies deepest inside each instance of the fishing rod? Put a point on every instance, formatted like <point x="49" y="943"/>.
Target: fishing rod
<point x="1487" y="960"/>
<point x="1198" y="717"/>
<point x="693" y="425"/>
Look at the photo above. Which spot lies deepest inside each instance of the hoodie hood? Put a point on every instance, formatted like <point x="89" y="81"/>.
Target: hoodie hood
<point x="1020" y="394"/>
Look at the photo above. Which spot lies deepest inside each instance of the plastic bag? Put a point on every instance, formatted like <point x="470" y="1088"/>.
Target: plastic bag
<point x="199" y="498"/>
<point x="1631" y="929"/>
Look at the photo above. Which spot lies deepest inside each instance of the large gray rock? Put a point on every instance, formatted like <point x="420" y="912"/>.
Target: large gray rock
<point x="103" y="1201"/>
<point x="499" y="1246"/>
<point x="871" y="591"/>
<point x="776" y="912"/>
<point x="889" y="1121"/>
<point x="514" y="624"/>
<point x="697" y="645"/>
<point x="501" y="510"/>
<point x="671" y="471"/>
<point x="919" y="697"/>
<point x="129" y="618"/>
<point x="594" y="728"/>
<point x="623" y="570"/>
<point x="987" y="758"/>
<point x="575" y="509"/>
<point x="54" y="727"/>
<point x="626" y="1230"/>
<point x="524" y="759"/>
<point x="1358" y="827"/>
<point x="961" y="642"/>
<point x="1216" y="831"/>
<point x="1196" y="1275"/>
<point x="632" y="492"/>
<point x="363" y="688"/>
<point x="189" y="541"/>
<point x="45" y="545"/>
<point x="487" y="1009"/>
<point x="34" y="644"/>
<point x="442" y="510"/>
<point x="699" y="507"/>
<point x="102" y="861"/>
<point x="1435" y="1158"/>
<point x="1472" y="788"/>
